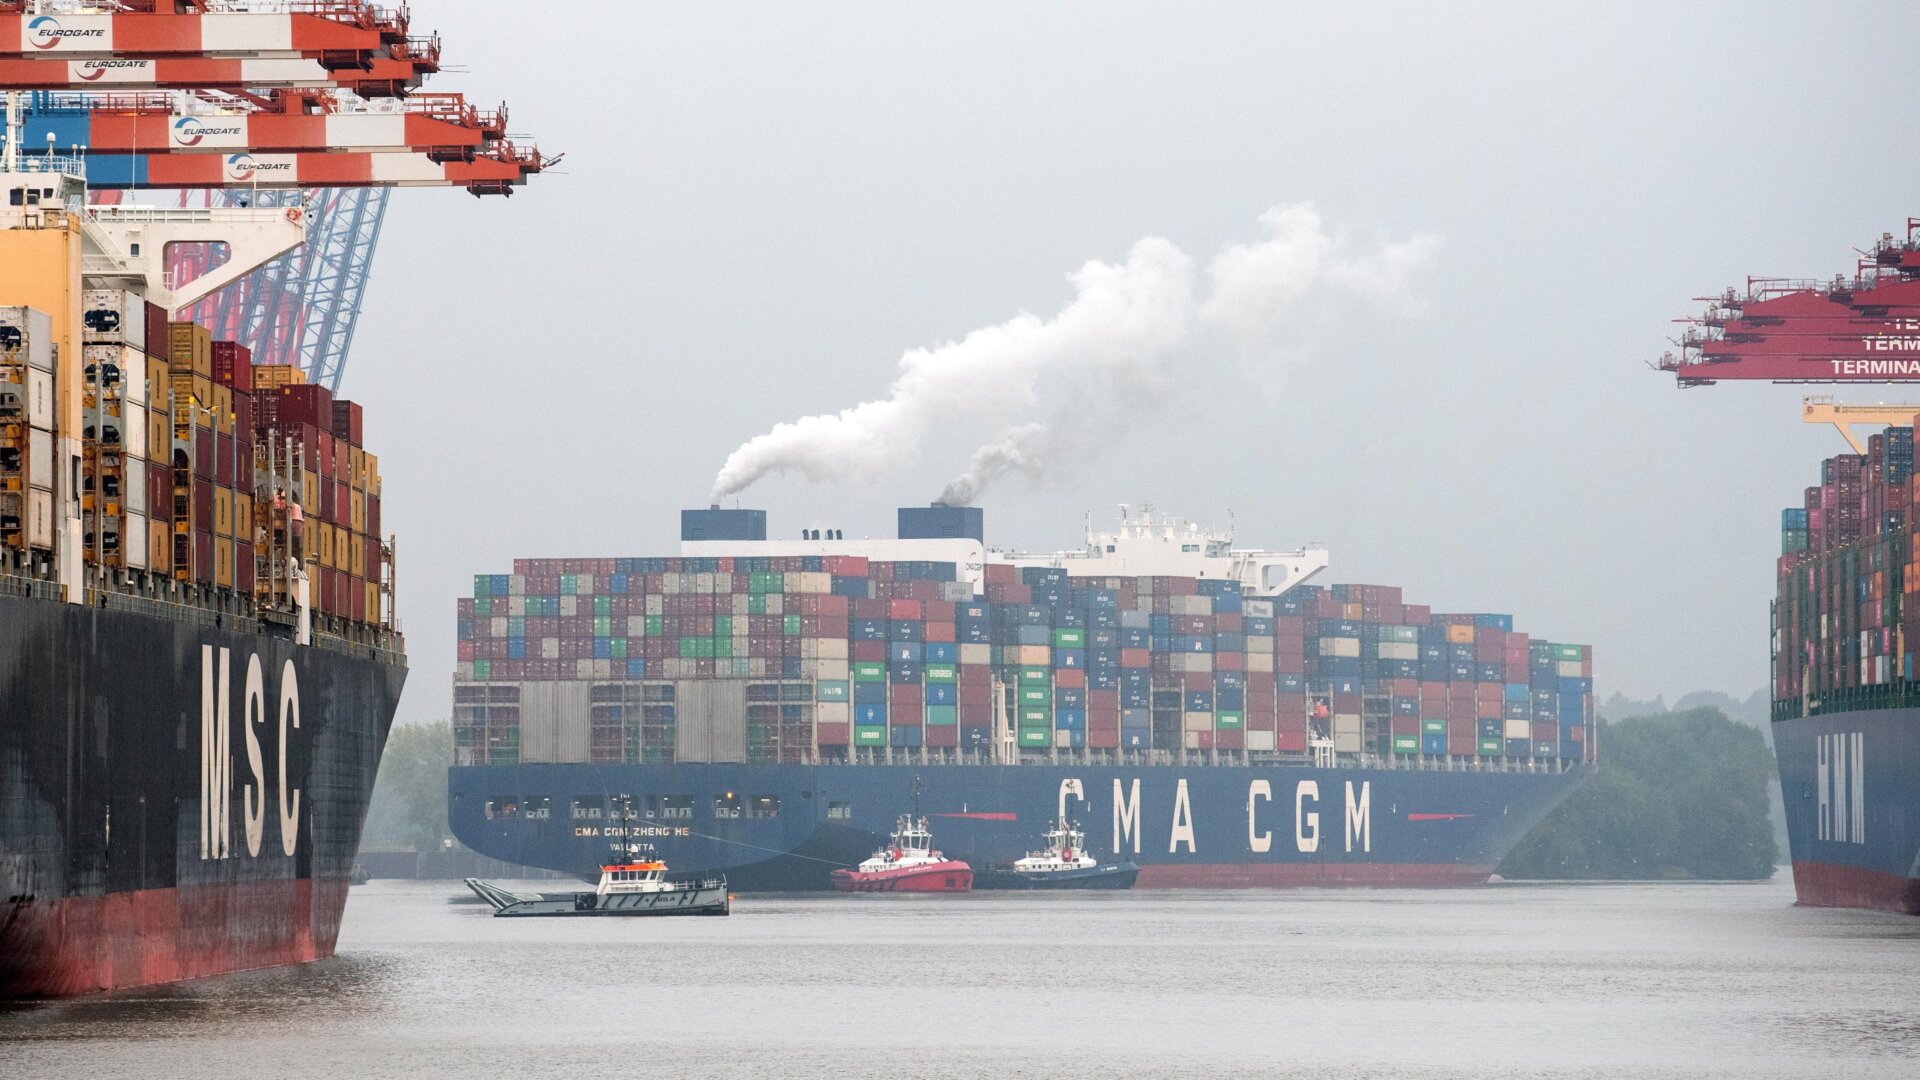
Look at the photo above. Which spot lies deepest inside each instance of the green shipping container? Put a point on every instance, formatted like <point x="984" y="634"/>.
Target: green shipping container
<point x="618" y="648"/>
<point x="1228" y="721"/>
<point x="869" y="671"/>
<point x="869" y="736"/>
<point x="482" y="606"/>
<point x="1042" y="737"/>
<point x="723" y="647"/>
<point x="1069" y="638"/>
<point x="723" y="626"/>
<point x="1566" y="652"/>
<point x="833" y="690"/>
<point x="602" y="626"/>
<point x="1491" y="748"/>
<point x="1036" y="718"/>
<point x="942" y="673"/>
<point x="1035" y="695"/>
<point x="943" y="715"/>
<point x="1433" y="727"/>
<point x="483" y="669"/>
<point x="655" y="626"/>
<point x="1036" y="676"/>
<point x="1406" y="744"/>
<point x="603" y="605"/>
<point x="756" y="604"/>
<point x="482" y="586"/>
<point x="790" y="625"/>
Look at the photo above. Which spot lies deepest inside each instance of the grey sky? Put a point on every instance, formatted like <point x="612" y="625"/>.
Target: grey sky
<point x="762" y="206"/>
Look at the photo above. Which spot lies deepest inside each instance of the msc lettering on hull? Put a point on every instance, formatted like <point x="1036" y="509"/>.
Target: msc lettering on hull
<point x="1841" y="773"/>
<point x="216" y="755"/>
<point x="1358" y="831"/>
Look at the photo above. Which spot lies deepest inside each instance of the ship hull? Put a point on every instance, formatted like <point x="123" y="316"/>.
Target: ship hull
<point x="1853" y="807"/>
<point x="1193" y="827"/>
<point x="950" y="876"/>
<point x="144" y="838"/>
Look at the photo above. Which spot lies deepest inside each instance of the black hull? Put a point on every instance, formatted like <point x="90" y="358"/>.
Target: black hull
<point x="116" y="868"/>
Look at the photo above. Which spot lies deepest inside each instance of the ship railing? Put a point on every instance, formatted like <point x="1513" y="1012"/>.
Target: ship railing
<point x="1226" y="759"/>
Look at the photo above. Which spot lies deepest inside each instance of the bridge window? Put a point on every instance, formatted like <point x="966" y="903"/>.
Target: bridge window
<point x="676" y="806"/>
<point x="586" y="808"/>
<point x="536" y="807"/>
<point x="839" y="811"/>
<point x="727" y="806"/>
<point x="503" y="808"/>
<point x="763" y="806"/>
<point x="620" y="808"/>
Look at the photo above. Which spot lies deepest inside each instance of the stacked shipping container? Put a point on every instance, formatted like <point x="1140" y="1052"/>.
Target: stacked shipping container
<point x="842" y="656"/>
<point x="1844" y="626"/>
<point x="184" y="445"/>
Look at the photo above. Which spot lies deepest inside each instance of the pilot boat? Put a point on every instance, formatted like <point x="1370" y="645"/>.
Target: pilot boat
<point x="640" y="888"/>
<point x="1065" y="863"/>
<point x="908" y="863"/>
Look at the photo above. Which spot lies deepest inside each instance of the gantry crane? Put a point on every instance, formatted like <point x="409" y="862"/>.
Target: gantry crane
<point x="309" y="106"/>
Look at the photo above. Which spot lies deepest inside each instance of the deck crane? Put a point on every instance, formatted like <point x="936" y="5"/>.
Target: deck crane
<point x="1859" y="329"/>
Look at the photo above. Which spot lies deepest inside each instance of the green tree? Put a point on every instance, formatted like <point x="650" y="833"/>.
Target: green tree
<point x="409" y="810"/>
<point x="1681" y="795"/>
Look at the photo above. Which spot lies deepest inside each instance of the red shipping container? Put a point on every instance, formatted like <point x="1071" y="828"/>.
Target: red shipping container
<point x="1002" y="574"/>
<point x="1229" y="661"/>
<point x="223" y="450"/>
<point x="904" y="695"/>
<point x="1135" y="658"/>
<point x="1292" y="742"/>
<point x="1203" y="740"/>
<point x="1461" y="745"/>
<point x="942" y="736"/>
<point x="232" y="365"/>
<point x="203" y="453"/>
<point x="1102" y="738"/>
<point x="345" y="426"/>
<point x="1070" y="678"/>
<point x="306" y="403"/>
<point x="831" y="734"/>
<point x="904" y="610"/>
<point x="1406" y="725"/>
<point x="938" y="611"/>
<point x="870" y="651"/>
<point x="1546" y="732"/>
<point x="243" y="568"/>
<point x="1488" y="710"/>
<point x="156" y="331"/>
<point x="1229" y="740"/>
<point x="202" y="500"/>
<point x="939" y="631"/>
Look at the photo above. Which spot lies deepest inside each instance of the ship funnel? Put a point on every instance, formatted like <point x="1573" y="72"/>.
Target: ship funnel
<point x="713" y="523"/>
<point x="938" y="522"/>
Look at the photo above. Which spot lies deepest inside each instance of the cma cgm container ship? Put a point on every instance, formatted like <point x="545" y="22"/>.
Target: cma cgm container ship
<point x="1846" y="699"/>
<point x="198" y="664"/>
<point x="766" y="708"/>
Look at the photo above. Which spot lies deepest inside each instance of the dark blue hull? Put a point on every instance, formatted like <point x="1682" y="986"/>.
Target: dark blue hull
<point x="1851" y="785"/>
<point x="1202" y="826"/>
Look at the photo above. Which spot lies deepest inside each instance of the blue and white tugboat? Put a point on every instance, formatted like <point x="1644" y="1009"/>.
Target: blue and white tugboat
<point x="1065" y="863"/>
<point x="638" y="888"/>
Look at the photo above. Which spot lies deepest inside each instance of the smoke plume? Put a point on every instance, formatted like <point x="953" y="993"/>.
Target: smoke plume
<point x="1118" y="340"/>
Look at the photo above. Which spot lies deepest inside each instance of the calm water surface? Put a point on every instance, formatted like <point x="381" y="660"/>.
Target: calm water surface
<point x="1509" y="981"/>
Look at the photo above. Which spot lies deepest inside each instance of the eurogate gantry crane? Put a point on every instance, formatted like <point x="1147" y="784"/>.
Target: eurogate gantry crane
<point x="279" y="65"/>
<point x="1863" y="329"/>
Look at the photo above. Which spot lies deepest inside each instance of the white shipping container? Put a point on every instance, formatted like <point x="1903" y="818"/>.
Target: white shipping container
<point x="831" y="669"/>
<point x="1346" y="722"/>
<point x="656" y="604"/>
<point x="1519" y="729"/>
<point x="463" y="669"/>
<point x="1340" y="646"/>
<point x="1347" y="742"/>
<point x="1259" y="740"/>
<point x="133" y="430"/>
<point x="1192" y="661"/>
<point x="516" y="605"/>
<point x="834" y="712"/>
<point x="113" y="316"/>
<point x="834" y="648"/>
<point x="40" y="399"/>
<point x="517" y="586"/>
<point x="550" y="648"/>
<point x="1197" y="721"/>
<point x="34" y="329"/>
<point x="976" y="654"/>
<point x="39" y="519"/>
<point x="40" y="459"/>
<point x="1256" y="609"/>
<point x="497" y="626"/>
<point x="133" y="542"/>
<point x="1567" y="669"/>
<point x="1260" y="661"/>
<point x="134" y="491"/>
<point x="569" y="605"/>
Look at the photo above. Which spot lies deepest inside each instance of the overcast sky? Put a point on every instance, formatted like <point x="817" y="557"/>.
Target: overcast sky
<point x="763" y="206"/>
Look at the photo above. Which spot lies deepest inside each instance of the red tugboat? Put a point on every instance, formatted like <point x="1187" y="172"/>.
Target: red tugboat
<point x="907" y="864"/>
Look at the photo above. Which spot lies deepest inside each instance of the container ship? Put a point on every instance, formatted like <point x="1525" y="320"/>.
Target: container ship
<point x="766" y="708"/>
<point x="1846" y="703"/>
<point x="1845" y="622"/>
<point x="198" y="660"/>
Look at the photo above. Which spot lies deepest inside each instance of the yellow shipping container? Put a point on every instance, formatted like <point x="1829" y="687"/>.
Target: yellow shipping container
<point x="222" y="512"/>
<point x="243" y="517"/>
<point x="223" y="409"/>
<point x="190" y="345"/>
<point x="357" y="511"/>
<point x="272" y="376"/>
<point x="223" y="563"/>
<point x="342" y="551"/>
<point x="357" y="556"/>
<point x="1460" y="635"/>
<point x="373" y="602"/>
<point x="323" y="542"/>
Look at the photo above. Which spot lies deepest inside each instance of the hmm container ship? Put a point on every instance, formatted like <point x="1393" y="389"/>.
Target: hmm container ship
<point x="767" y="708"/>
<point x="198" y="661"/>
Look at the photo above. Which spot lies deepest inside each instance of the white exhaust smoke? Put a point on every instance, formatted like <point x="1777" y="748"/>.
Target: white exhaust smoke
<point x="1125" y="326"/>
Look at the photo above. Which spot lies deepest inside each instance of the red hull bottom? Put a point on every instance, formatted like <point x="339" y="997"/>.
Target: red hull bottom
<point x="1311" y="875"/>
<point x="1818" y="884"/>
<point x="951" y="876"/>
<point x="84" y="944"/>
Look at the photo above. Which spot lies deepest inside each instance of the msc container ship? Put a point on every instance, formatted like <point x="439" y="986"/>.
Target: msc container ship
<point x="198" y="661"/>
<point x="767" y="708"/>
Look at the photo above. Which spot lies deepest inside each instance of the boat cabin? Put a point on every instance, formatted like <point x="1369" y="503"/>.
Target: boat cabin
<point x="633" y="878"/>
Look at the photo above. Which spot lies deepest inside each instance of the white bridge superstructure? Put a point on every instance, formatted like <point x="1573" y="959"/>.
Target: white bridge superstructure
<point x="1150" y="545"/>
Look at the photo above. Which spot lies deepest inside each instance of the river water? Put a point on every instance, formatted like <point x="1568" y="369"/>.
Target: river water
<point x="1505" y="981"/>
